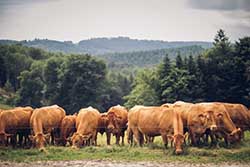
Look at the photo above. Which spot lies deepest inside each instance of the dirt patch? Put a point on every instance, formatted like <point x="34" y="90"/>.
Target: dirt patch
<point x="101" y="163"/>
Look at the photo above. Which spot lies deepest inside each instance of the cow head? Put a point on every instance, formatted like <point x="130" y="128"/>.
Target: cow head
<point x="178" y="140"/>
<point x="114" y="123"/>
<point x="211" y="121"/>
<point x="103" y="121"/>
<point x="39" y="140"/>
<point x="4" y="137"/>
<point x="78" y="140"/>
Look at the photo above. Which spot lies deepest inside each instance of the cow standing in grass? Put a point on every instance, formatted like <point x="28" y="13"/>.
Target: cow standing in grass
<point x="44" y="122"/>
<point x="156" y="121"/>
<point x="117" y="123"/>
<point x="67" y="128"/>
<point x="86" y="128"/>
<point x="15" y="122"/>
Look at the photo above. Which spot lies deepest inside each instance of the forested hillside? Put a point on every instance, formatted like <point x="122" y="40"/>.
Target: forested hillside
<point x="37" y="78"/>
<point x="99" y="46"/>
<point x="222" y="73"/>
<point x="147" y="59"/>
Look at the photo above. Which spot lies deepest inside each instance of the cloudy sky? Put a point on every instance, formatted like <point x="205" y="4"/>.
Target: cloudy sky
<point x="171" y="20"/>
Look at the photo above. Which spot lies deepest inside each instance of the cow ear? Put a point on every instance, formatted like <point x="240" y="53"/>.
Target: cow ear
<point x="47" y="136"/>
<point x="69" y="139"/>
<point x="170" y="137"/>
<point x="31" y="137"/>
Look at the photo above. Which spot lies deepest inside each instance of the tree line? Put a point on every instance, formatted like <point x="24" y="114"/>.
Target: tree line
<point x="221" y="73"/>
<point x="37" y="78"/>
<point x="73" y="81"/>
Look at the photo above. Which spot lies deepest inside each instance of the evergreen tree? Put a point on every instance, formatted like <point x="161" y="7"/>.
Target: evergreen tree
<point x="179" y="62"/>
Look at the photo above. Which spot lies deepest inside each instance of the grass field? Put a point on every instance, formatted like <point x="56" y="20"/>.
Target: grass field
<point x="155" y="152"/>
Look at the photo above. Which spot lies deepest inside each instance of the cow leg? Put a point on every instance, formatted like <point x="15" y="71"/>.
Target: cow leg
<point x="13" y="140"/>
<point x="193" y="139"/>
<point x="165" y="140"/>
<point x="130" y="136"/>
<point x="108" y="137"/>
<point x="117" y="138"/>
<point x="123" y="135"/>
<point x="138" y="136"/>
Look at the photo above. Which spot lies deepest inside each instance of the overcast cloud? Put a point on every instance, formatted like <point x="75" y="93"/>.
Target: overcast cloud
<point x="142" y="19"/>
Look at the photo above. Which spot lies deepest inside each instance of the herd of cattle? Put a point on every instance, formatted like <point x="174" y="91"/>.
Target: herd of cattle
<point x="177" y="122"/>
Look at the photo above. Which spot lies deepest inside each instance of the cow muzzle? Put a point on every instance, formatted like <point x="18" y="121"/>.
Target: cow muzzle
<point x="213" y="127"/>
<point x="178" y="151"/>
<point x="110" y="128"/>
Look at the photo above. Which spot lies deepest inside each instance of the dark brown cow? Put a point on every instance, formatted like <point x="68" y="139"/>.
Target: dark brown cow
<point x="103" y="126"/>
<point x="86" y="127"/>
<point x="239" y="115"/>
<point x="155" y="121"/>
<point x="67" y="128"/>
<point x="43" y="121"/>
<point x="117" y="122"/>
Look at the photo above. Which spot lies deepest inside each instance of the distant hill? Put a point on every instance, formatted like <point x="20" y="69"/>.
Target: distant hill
<point x="148" y="58"/>
<point x="99" y="46"/>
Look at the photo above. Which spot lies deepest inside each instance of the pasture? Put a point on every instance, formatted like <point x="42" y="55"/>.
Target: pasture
<point x="156" y="153"/>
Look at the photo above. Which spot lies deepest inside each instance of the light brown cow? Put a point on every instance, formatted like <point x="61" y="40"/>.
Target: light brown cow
<point x="155" y="121"/>
<point x="117" y="122"/>
<point x="43" y="121"/>
<point x="20" y="117"/>
<point x="67" y="128"/>
<point x="86" y="127"/>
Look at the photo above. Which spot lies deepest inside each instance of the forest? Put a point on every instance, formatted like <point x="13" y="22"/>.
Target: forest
<point x="35" y="77"/>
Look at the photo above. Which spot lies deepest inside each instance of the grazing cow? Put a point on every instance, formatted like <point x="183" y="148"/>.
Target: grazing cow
<point x="86" y="127"/>
<point x="8" y="127"/>
<point x="239" y="115"/>
<point x="211" y="119"/>
<point x="20" y="117"/>
<point x="155" y="121"/>
<point x="67" y="128"/>
<point x="200" y="118"/>
<point x="43" y="121"/>
<point x="117" y="122"/>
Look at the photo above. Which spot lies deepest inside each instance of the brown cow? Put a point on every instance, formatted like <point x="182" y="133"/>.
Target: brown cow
<point x="43" y="121"/>
<point x="20" y="117"/>
<point x="86" y="127"/>
<point x="103" y="126"/>
<point x="211" y="119"/>
<point x="8" y="127"/>
<point x="239" y="115"/>
<point x="117" y="122"/>
<point x="200" y="118"/>
<point x="155" y="121"/>
<point x="67" y="128"/>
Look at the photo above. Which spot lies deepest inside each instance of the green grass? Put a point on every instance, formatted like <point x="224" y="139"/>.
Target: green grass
<point x="239" y="153"/>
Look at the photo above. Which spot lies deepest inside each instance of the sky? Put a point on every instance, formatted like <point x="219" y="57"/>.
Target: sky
<point x="168" y="20"/>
